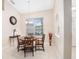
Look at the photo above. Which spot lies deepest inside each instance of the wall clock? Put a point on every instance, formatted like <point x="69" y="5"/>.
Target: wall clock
<point x="13" y="20"/>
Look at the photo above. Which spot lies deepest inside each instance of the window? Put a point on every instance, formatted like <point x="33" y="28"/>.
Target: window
<point x="34" y="26"/>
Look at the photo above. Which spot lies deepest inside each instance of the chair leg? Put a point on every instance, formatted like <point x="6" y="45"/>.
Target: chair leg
<point x="43" y="47"/>
<point x="32" y="52"/>
<point x="18" y="48"/>
<point x="35" y="48"/>
<point x="24" y="52"/>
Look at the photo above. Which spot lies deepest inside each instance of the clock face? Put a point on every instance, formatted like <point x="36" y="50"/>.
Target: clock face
<point x="13" y="20"/>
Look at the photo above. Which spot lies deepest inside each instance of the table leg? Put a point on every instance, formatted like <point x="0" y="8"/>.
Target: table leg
<point x="10" y="40"/>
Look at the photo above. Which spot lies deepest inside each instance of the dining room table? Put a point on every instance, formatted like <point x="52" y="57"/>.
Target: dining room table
<point x="27" y="40"/>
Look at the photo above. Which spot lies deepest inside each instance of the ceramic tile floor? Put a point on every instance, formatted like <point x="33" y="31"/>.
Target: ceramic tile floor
<point x="10" y="52"/>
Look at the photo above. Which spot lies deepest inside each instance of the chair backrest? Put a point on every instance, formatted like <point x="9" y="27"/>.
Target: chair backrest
<point x="43" y="37"/>
<point x="27" y="38"/>
<point x="19" y="40"/>
<point x="29" y="42"/>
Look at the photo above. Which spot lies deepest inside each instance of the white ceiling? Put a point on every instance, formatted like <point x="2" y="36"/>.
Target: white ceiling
<point x="35" y="5"/>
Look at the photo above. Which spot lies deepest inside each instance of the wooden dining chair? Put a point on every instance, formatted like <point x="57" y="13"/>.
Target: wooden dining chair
<point x="40" y="43"/>
<point x="28" y="46"/>
<point x="20" y="44"/>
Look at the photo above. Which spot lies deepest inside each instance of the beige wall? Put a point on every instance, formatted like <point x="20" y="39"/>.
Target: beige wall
<point x="67" y="29"/>
<point x="59" y="10"/>
<point x="48" y="20"/>
<point x="7" y="28"/>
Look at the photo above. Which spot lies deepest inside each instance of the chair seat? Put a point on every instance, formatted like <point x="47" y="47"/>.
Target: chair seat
<point x="39" y="42"/>
<point x="21" y="43"/>
<point x="28" y="46"/>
